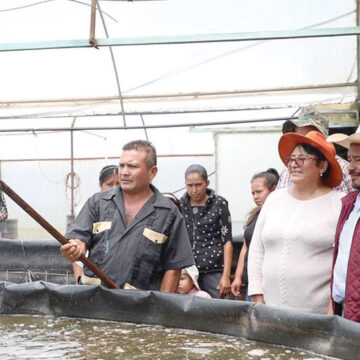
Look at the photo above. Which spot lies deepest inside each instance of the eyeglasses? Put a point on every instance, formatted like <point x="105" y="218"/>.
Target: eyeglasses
<point x="299" y="160"/>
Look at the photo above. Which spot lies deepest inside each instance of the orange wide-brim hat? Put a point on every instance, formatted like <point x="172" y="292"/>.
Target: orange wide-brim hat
<point x="289" y="141"/>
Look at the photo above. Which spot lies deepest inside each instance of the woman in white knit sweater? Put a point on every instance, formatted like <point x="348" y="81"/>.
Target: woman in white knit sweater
<point x="291" y="250"/>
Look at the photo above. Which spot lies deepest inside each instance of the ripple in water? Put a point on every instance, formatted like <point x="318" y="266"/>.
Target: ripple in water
<point x="25" y="337"/>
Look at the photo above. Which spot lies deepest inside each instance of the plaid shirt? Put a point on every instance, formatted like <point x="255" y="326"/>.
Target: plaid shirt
<point x="345" y="186"/>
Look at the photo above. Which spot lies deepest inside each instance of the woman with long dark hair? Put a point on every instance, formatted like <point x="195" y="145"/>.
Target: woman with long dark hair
<point x="262" y="184"/>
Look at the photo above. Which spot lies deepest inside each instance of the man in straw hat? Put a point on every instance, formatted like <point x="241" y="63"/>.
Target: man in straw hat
<point x="311" y="120"/>
<point x="345" y="282"/>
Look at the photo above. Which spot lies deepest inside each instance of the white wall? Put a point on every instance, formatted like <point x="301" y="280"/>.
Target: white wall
<point x="42" y="185"/>
<point x="239" y="155"/>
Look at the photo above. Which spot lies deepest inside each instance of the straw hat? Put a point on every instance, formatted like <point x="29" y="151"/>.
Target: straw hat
<point x="289" y="141"/>
<point x="345" y="140"/>
<point x="193" y="272"/>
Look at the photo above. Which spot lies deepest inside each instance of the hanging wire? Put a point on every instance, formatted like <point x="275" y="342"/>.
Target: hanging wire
<point x="25" y="6"/>
<point x="143" y="122"/>
<point x="222" y="55"/>
<point x="42" y="172"/>
<point x="114" y="64"/>
<point x="45" y="1"/>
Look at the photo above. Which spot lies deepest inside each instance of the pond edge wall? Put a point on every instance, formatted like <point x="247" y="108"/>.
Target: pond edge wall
<point x="326" y="335"/>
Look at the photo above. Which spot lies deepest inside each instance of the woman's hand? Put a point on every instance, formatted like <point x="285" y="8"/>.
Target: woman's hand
<point x="330" y="310"/>
<point x="258" y="298"/>
<point x="3" y="217"/>
<point x="225" y="286"/>
<point x="236" y="286"/>
<point x="73" y="250"/>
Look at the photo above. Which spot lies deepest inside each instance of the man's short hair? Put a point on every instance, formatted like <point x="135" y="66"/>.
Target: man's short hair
<point x="147" y="147"/>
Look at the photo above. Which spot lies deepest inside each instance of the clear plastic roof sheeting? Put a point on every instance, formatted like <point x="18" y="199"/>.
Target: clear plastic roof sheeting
<point x="169" y="84"/>
<point x="227" y="73"/>
<point x="71" y="100"/>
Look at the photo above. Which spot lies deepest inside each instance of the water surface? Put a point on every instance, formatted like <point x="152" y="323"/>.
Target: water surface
<point x="38" y="337"/>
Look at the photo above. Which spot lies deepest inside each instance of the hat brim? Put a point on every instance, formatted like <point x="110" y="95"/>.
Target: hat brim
<point x="344" y="140"/>
<point x="289" y="141"/>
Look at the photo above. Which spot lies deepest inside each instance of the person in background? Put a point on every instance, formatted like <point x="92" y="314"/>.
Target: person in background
<point x="262" y="184"/>
<point x="133" y="233"/>
<point x="291" y="249"/>
<point x="188" y="284"/>
<point x="208" y="223"/>
<point x="3" y="208"/>
<point x="173" y="198"/>
<point x="108" y="179"/>
<point x="311" y="120"/>
<point x="345" y="286"/>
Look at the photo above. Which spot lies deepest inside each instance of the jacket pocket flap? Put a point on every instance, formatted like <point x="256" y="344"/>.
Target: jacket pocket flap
<point x="99" y="227"/>
<point x="154" y="236"/>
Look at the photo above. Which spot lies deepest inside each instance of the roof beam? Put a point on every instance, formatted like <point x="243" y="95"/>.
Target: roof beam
<point x="184" y="39"/>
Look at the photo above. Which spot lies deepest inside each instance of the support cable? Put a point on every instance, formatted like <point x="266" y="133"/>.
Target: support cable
<point x="220" y="56"/>
<point x="143" y="122"/>
<point x="114" y="65"/>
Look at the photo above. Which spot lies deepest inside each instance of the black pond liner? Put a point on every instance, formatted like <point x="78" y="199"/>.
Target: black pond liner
<point x="327" y="335"/>
<point x="30" y="260"/>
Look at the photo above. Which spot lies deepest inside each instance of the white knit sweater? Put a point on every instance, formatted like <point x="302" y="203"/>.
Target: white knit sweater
<point x="290" y="254"/>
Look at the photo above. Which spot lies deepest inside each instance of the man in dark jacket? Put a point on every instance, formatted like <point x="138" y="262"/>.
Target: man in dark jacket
<point x="345" y="282"/>
<point x="133" y="233"/>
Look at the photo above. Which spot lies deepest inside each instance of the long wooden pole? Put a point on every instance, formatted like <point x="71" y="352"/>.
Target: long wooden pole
<point x="59" y="237"/>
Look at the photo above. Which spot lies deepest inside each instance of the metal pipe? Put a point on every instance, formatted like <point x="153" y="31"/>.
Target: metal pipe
<point x="358" y="55"/>
<point x="163" y="97"/>
<point x="72" y="175"/>
<point x="185" y="39"/>
<point x="141" y="127"/>
<point x="72" y="210"/>
<point x="102" y="158"/>
<point x="135" y="113"/>
<point x="92" y="40"/>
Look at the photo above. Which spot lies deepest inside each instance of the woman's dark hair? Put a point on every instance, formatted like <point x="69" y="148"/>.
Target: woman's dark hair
<point x="196" y="168"/>
<point x="107" y="171"/>
<point x="271" y="177"/>
<point x="311" y="150"/>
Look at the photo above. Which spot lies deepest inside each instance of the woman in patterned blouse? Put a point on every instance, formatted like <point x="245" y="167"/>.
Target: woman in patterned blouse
<point x="208" y="223"/>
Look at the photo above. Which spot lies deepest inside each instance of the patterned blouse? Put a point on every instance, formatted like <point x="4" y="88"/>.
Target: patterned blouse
<point x="209" y="228"/>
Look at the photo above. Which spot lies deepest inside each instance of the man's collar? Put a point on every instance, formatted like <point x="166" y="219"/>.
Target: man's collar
<point x="159" y="199"/>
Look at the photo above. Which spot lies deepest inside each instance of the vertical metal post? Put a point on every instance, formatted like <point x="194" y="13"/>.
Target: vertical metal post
<point x="72" y="175"/>
<point x="92" y="40"/>
<point x="358" y="57"/>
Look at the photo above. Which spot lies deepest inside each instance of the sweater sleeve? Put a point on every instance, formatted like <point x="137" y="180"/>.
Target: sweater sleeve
<point x="256" y="251"/>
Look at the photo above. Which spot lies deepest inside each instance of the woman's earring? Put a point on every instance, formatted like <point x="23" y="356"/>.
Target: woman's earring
<point x="321" y="174"/>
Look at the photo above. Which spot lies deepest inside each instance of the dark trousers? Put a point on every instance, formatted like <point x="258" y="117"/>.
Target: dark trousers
<point x="209" y="282"/>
